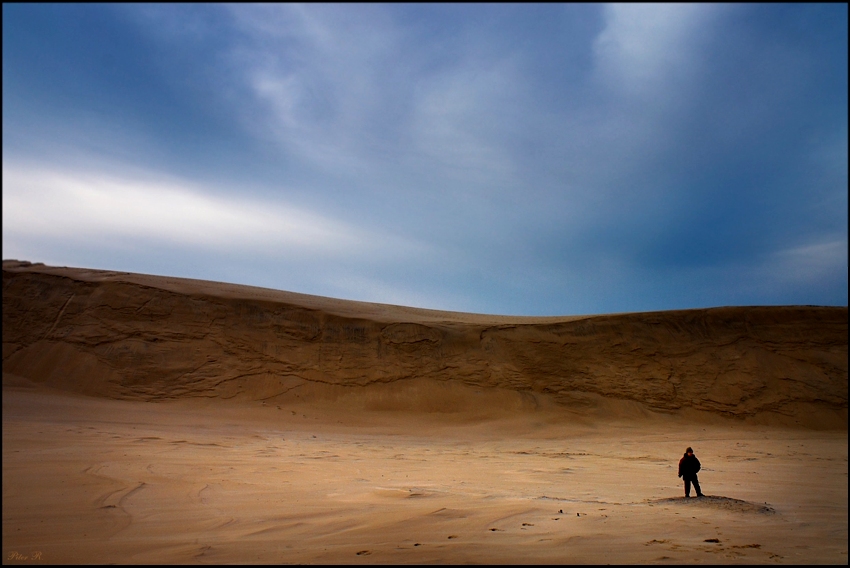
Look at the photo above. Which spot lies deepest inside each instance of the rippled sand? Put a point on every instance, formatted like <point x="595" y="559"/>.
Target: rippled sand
<point x="101" y="481"/>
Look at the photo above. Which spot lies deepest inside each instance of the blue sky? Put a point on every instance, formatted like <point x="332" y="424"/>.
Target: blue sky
<point x="505" y="159"/>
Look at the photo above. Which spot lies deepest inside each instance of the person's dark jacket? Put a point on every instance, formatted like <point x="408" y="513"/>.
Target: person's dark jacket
<point x="688" y="466"/>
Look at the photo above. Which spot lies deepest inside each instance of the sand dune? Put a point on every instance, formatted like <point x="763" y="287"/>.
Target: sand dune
<point x="142" y="337"/>
<point x="162" y="420"/>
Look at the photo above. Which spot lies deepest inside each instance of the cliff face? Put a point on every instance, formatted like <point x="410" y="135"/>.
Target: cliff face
<point x="133" y="336"/>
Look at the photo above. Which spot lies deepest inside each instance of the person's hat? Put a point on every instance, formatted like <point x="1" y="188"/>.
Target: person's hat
<point x="689" y="451"/>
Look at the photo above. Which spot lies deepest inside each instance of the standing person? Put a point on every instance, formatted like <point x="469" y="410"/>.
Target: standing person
<point x="688" y="467"/>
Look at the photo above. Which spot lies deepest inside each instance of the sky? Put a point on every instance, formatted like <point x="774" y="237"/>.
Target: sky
<point x="515" y="159"/>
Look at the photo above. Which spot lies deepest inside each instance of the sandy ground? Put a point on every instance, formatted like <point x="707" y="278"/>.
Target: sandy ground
<point x="89" y="480"/>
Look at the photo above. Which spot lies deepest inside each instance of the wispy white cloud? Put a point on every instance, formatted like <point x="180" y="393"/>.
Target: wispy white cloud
<point x="645" y="49"/>
<point x="463" y="118"/>
<point x="809" y="264"/>
<point x="317" y="76"/>
<point x="354" y="95"/>
<point x="93" y="206"/>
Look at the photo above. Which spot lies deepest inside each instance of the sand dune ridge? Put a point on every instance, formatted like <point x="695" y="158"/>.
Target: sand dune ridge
<point x="121" y="335"/>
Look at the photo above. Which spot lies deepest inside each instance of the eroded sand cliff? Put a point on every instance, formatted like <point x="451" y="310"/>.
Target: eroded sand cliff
<point x="132" y="336"/>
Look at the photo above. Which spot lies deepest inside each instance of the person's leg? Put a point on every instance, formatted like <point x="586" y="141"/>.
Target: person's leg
<point x="696" y="486"/>
<point x="687" y="487"/>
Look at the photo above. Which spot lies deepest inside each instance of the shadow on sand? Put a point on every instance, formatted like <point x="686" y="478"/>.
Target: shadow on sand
<point x="717" y="502"/>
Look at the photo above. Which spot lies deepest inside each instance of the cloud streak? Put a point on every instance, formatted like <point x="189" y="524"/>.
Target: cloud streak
<point x="92" y="206"/>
